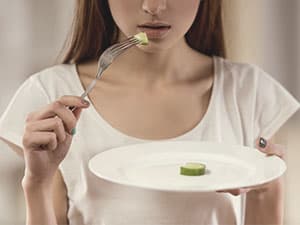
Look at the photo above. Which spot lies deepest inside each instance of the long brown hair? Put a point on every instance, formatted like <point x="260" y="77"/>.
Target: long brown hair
<point x="94" y="30"/>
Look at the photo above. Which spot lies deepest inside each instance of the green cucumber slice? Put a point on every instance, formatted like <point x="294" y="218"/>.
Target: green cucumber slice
<point x="192" y="169"/>
<point x="142" y="37"/>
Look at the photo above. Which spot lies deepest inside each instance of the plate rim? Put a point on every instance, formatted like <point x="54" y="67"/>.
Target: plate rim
<point x="281" y="162"/>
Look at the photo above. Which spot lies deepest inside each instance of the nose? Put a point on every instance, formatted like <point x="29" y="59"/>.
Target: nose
<point x="154" y="7"/>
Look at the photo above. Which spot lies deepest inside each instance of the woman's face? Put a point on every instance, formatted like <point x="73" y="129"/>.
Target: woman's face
<point x="164" y="21"/>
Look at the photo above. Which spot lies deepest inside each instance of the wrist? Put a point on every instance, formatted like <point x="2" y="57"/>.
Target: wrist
<point x="263" y="191"/>
<point x="257" y="194"/>
<point x="30" y="183"/>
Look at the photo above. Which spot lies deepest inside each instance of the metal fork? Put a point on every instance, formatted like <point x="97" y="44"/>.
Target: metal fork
<point x="106" y="59"/>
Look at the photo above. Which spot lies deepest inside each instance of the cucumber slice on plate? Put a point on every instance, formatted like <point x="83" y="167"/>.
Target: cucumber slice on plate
<point x="142" y="37"/>
<point x="192" y="169"/>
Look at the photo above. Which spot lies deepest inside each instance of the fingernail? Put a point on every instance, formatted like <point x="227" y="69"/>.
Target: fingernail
<point x="73" y="131"/>
<point x="85" y="102"/>
<point x="262" y="142"/>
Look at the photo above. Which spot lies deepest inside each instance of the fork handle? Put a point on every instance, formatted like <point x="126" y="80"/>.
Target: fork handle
<point x="100" y="70"/>
<point x="85" y="93"/>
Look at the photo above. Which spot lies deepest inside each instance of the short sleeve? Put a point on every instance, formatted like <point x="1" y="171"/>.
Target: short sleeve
<point x="29" y="97"/>
<point x="273" y="107"/>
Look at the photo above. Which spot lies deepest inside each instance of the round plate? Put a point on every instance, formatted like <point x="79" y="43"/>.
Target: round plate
<point x="156" y="165"/>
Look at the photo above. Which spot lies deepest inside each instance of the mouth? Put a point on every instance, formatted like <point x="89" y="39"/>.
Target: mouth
<point x="155" y="30"/>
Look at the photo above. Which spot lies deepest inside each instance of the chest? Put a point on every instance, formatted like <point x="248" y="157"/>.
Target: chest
<point x="151" y="114"/>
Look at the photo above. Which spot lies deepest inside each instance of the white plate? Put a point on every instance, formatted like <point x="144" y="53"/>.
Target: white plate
<point x="156" y="165"/>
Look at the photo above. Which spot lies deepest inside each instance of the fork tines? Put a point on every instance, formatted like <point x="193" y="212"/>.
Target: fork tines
<point x="125" y="44"/>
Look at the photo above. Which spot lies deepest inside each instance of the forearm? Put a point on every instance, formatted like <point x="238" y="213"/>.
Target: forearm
<point x="265" y="206"/>
<point x="39" y="204"/>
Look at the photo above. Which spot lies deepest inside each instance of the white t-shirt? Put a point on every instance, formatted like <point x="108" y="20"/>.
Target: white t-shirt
<point x="246" y="103"/>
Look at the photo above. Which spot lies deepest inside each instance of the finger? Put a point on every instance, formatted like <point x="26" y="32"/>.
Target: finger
<point x="76" y="101"/>
<point x="64" y="101"/>
<point x="57" y="109"/>
<point x="235" y="192"/>
<point x="270" y="148"/>
<point x="40" y="141"/>
<point x="53" y="124"/>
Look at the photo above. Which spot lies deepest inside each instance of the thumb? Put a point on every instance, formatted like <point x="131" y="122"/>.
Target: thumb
<point x="270" y="148"/>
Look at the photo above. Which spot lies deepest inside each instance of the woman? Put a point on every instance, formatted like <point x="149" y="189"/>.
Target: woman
<point x="179" y="87"/>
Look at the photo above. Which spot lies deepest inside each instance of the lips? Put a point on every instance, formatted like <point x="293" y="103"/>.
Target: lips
<point x="155" y="25"/>
<point x="155" y="30"/>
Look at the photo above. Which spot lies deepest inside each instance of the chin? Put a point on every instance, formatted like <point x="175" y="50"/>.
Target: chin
<point x="153" y="47"/>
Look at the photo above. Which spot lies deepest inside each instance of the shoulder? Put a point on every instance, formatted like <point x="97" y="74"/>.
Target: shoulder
<point x="57" y="80"/>
<point x="54" y="73"/>
<point x="248" y="78"/>
<point x="269" y="101"/>
<point x="252" y="76"/>
<point x="244" y="73"/>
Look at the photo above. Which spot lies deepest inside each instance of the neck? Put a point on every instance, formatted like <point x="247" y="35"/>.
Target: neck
<point x="164" y="66"/>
